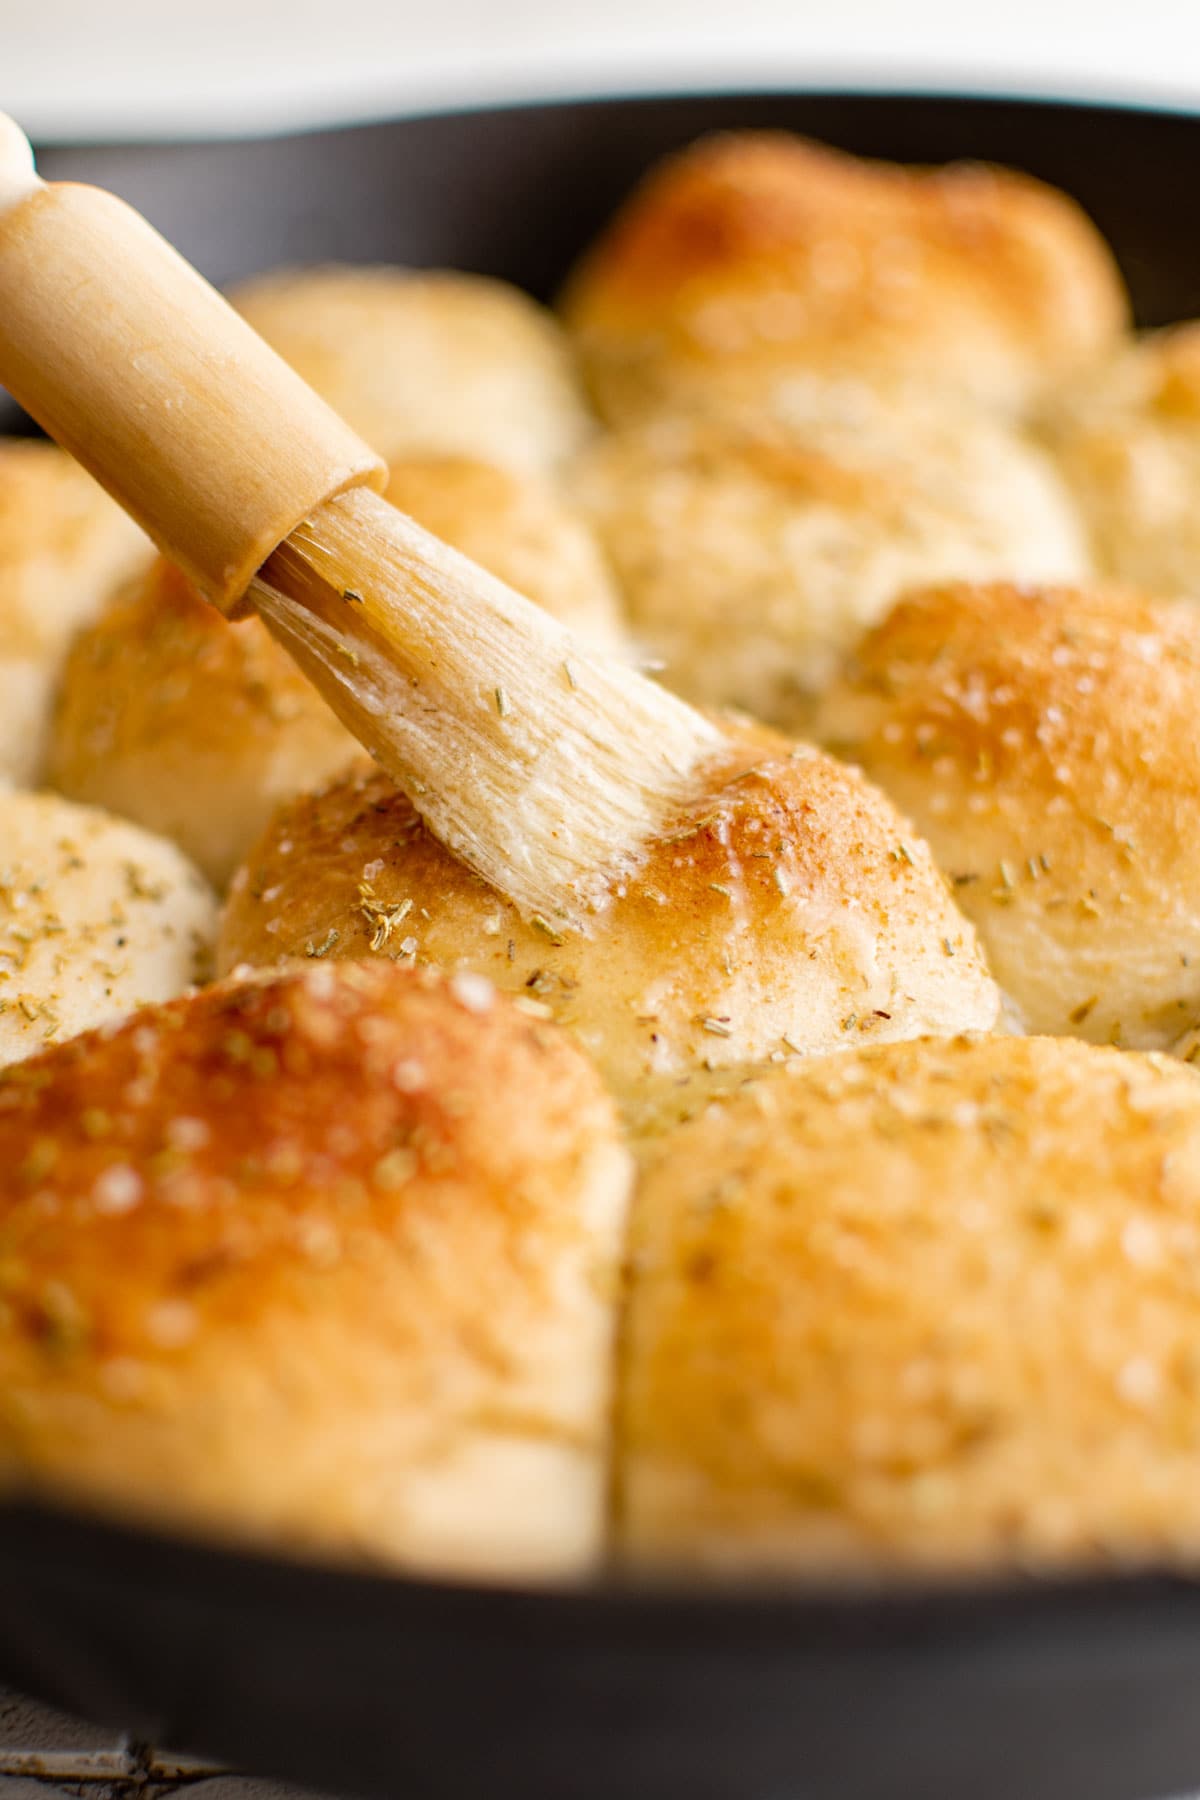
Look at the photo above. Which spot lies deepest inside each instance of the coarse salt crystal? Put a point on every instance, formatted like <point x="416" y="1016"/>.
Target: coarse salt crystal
<point x="117" y="1190"/>
<point x="171" y="1324"/>
<point x="475" y="992"/>
<point x="188" y="1134"/>
<point x="1138" y="1381"/>
<point x="1141" y="1243"/>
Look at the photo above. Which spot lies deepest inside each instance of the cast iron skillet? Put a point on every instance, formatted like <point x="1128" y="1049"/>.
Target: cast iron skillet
<point x="1080" y="1690"/>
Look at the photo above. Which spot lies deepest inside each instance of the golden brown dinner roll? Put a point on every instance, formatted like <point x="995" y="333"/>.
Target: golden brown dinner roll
<point x="518" y="529"/>
<point x="753" y="554"/>
<point x="1128" y="441"/>
<point x="63" y="546"/>
<point x="424" y="361"/>
<point x="95" y="918"/>
<point x="1045" y="743"/>
<point x="326" y="1260"/>
<point x="791" y="909"/>
<point x="194" y="727"/>
<point x="752" y="255"/>
<point x="931" y="1306"/>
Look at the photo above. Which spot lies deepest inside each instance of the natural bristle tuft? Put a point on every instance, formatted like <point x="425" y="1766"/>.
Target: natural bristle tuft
<point x="544" y="765"/>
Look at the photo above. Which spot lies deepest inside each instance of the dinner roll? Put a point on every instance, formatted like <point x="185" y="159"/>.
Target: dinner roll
<point x="933" y="1306"/>
<point x="518" y="529"/>
<point x="1128" y="441"/>
<point x="63" y="546"/>
<point x="790" y="909"/>
<point x="95" y="918"/>
<point x="1045" y="743"/>
<point x="752" y="255"/>
<point x="753" y="554"/>
<point x="423" y="361"/>
<point x="328" y="1261"/>
<point x="194" y="727"/>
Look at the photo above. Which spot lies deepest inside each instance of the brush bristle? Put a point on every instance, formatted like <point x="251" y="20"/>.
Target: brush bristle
<point x="544" y="765"/>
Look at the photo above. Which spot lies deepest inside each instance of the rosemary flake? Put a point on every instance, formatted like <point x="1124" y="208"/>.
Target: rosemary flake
<point x="542" y="924"/>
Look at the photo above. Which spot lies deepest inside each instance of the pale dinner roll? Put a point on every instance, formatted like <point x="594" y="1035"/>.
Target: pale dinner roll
<point x="96" y="917"/>
<point x="753" y="554"/>
<point x="327" y="1261"/>
<point x="63" y="546"/>
<point x="518" y="529"/>
<point x="751" y="255"/>
<point x="790" y="910"/>
<point x="1045" y="743"/>
<point x="194" y="727"/>
<point x="1128" y="441"/>
<point x="931" y="1307"/>
<point x="424" y="361"/>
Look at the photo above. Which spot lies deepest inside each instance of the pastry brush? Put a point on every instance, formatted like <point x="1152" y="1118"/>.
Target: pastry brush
<point x="542" y="764"/>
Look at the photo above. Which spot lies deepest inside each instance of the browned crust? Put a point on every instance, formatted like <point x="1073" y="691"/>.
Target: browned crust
<point x="764" y="245"/>
<point x="267" y="1252"/>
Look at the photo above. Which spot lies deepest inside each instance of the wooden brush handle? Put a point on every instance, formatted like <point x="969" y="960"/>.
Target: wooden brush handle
<point x="140" y="369"/>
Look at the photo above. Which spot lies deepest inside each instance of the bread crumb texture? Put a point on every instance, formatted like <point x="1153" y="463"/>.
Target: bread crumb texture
<point x="925" y="1307"/>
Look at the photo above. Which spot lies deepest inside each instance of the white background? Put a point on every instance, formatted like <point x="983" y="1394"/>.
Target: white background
<point x="87" y="68"/>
